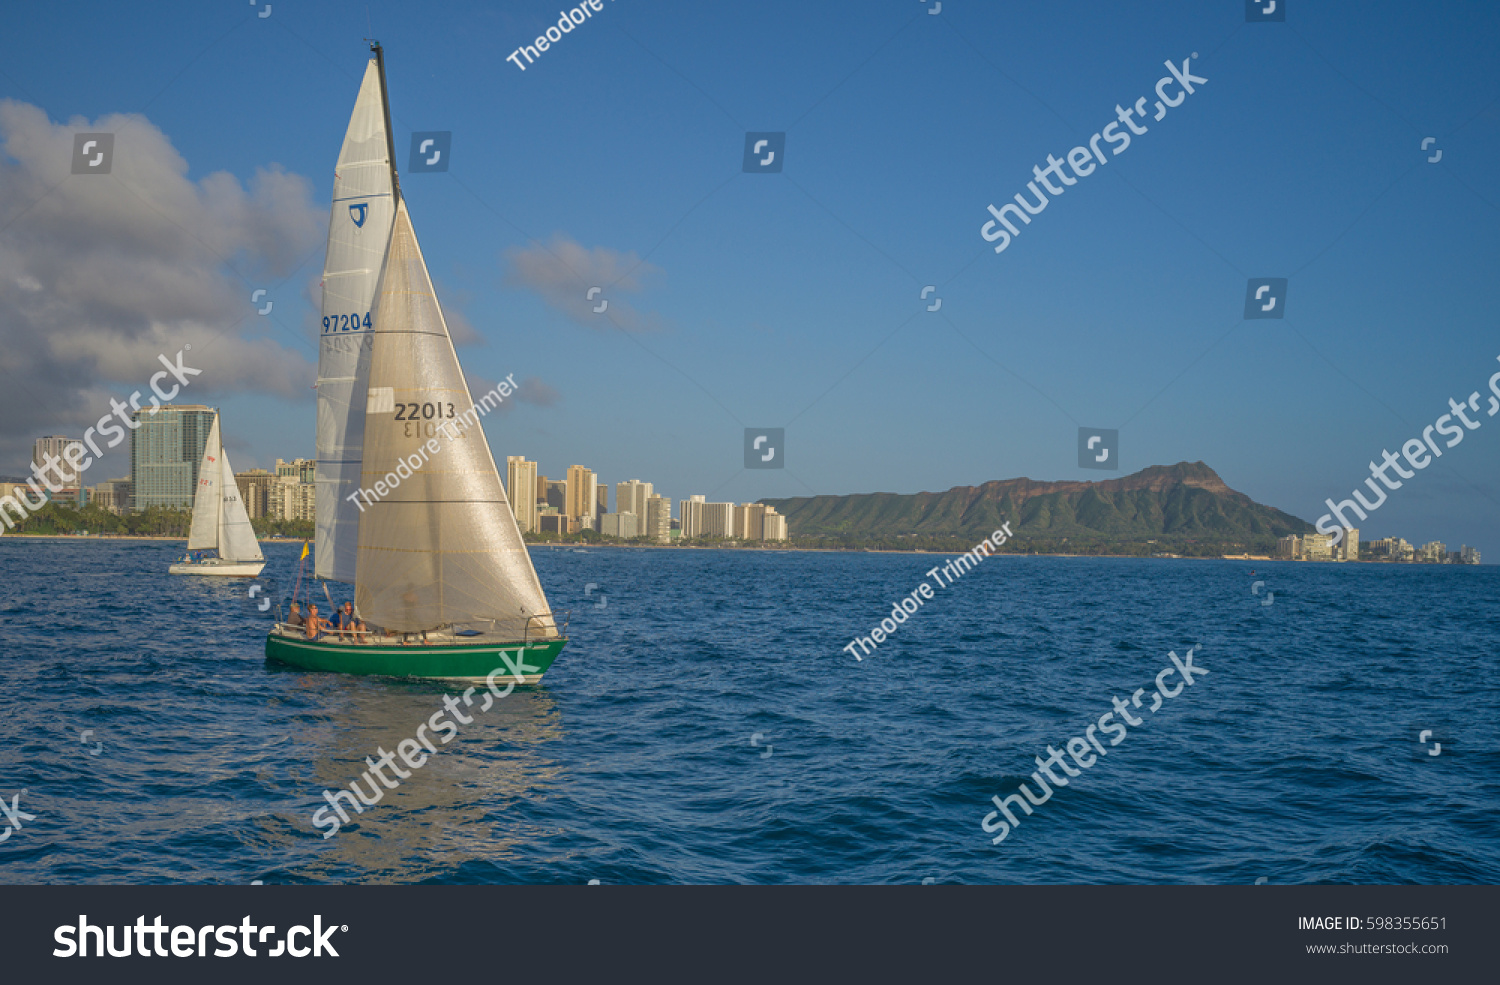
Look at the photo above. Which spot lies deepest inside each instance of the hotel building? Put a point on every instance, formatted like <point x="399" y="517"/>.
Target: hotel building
<point x="165" y="450"/>
<point x="520" y="485"/>
<point x="64" y="473"/>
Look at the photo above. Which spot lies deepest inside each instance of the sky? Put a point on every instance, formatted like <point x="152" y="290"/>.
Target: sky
<point x="794" y="299"/>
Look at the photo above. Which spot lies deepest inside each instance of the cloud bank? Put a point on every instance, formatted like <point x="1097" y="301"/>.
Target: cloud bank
<point x="101" y="272"/>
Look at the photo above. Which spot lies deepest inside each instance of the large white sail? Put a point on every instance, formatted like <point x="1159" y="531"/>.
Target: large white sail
<point x="204" y="534"/>
<point x="358" y="232"/>
<point x="236" y="537"/>
<point x="441" y="547"/>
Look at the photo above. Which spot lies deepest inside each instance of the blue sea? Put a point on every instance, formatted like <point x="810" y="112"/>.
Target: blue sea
<point x="705" y="725"/>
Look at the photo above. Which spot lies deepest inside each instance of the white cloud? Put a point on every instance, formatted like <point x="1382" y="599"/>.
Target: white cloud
<point x="101" y="273"/>
<point x="562" y="272"/>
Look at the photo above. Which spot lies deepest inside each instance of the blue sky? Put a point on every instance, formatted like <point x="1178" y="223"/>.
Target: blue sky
<point x="793" y="300"/>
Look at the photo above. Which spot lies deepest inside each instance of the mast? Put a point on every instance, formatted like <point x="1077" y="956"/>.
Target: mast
<point x="390" y="138"/>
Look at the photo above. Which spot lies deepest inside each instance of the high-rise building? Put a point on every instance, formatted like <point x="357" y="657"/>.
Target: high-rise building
<point x="552" y="523"/>
<point x="288" y="497"/>
<point x="1391" y="549"/>
<point x="1348" y="549"/>
<point x="690" y="511"/>
<point x="1433" y="552"/>
<point x="50" y="462"/>
<point x="520" y="484"/>
<point x="112" y="495"/>
<point x="601" y="505"/>
<point x="1469" y="555"/>
<point x="255" y="491"/>
<point x="305" y="469"/>
<point x="556" y="495"/>
<point x="718" y="520"/>
<point x="1317" y="547"/>
<point x="622" y="525"/>
<point x="582" y="495"/>
<point x="775" y="524"/>
<point x="631" y="497"/>
<point x="749" y="521"/>
<point x="165" y="450"/>
<point x="659" y="519"/>
<point x="1289" y="547"/>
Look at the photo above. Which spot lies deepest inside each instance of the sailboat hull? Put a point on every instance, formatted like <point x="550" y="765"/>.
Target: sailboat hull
<point x="220" y="569"/>
<point x="436" y="660"/>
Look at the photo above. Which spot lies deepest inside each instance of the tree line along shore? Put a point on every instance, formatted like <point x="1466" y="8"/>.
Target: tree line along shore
<point x="159" y="523"/>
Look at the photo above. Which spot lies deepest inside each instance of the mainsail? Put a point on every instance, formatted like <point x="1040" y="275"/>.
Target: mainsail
<point x="219" y="519"/>
<point x="204" y="533"/>
<point x="358" y="232"/>
<point x="441" y="546"/>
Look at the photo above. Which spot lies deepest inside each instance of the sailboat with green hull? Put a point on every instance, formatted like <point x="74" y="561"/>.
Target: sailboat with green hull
<point x="410" y="507"/>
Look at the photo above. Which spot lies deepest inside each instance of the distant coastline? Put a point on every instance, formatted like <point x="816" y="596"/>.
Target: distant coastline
<point x="586" y="547"/>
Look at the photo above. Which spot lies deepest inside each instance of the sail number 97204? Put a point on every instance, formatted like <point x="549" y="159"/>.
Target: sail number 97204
<point x="345" y="323"/>
<point x="417" y="418"/>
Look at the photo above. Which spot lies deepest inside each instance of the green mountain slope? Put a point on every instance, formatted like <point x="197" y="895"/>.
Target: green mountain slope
<point x="1182" y="503"/>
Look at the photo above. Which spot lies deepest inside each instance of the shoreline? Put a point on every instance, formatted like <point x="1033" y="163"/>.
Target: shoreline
<point x="874" y="550"/>
<point x="766" y="550"/>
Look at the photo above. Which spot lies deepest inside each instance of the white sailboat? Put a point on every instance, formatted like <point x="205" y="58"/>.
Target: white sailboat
<point x="220" y="523"/>
<point x="440" y="571"/>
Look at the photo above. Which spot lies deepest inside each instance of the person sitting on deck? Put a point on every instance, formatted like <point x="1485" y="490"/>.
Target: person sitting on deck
<point x="348" y="624"/>
<point x="340" y="622"/>
<point x="314" y="624"/>
<point x="296" y="618"/>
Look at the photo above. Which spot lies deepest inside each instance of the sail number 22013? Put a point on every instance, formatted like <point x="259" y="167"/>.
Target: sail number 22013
<point x="415" y="416"/>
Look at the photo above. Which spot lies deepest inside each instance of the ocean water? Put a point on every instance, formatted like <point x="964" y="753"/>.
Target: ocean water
<point x="705" y="726"/>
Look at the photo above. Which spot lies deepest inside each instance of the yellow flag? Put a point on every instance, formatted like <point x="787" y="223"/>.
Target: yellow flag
<point x="304" y="551"/>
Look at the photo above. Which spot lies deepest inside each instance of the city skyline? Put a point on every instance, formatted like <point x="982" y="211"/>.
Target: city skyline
<point x="267" y="493"/>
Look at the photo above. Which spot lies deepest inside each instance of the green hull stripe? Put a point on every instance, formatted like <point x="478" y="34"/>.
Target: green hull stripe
<point x="416" y="660"/>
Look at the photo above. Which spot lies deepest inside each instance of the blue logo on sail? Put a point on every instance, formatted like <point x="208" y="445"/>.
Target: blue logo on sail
<point x="358" y="213"/>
